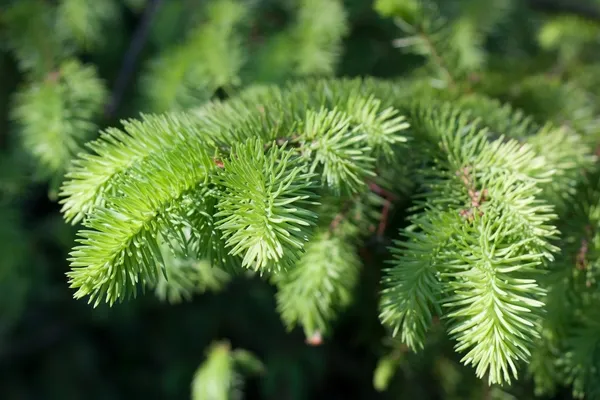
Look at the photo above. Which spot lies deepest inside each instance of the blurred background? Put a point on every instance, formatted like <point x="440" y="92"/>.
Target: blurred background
<point x="69" y="68"/>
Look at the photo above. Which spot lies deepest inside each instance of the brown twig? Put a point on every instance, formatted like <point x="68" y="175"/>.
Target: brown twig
<point x="381" y="191"/>
<point x="339" y="217"/>
<point x="477" y="197"/>
<point x="384" y="218"/>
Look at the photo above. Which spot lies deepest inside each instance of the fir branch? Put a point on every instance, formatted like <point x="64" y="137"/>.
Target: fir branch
<point x="119" y="246"/>
<point x="411" y="285"/>
<point x="317" y="34"/>
<point x="115" y="154"/>
<point x="264" y="212"/>
<point x="494" y="254"/>
<point x="56" y="115"/>
<point x="216" y="379"/>
<point x="27" y="24"/>
<point x="186" y="274"/>
<point x="83" y="22"/>
<point x="342" y="152"/>
<point x="210" y="58"/>
<point x="220" y="375"/>
<point x="382" y="127"/>
<point x="319" y="285"/>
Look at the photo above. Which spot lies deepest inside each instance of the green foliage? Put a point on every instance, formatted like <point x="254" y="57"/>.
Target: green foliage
<point x="91" y="178"/>
<point x="26" y="26"/>
<point x="340" y="152"/>
<point x="55" y="115"/>
<point x="569" y="36"/>
<point x="319" y="26"/>
<point x="218" y="377"/>
<point x="321" y="283"/>
<point x="83" y="22"/>
<point x="449" y="209"/>
<point x="121" y="238"/>
<point x="475" y="250"/>
<point x="209" y="59"/>
<point x="264" y="209"/>
<point x="216" y="55"/>
<point x="186" y="276"/>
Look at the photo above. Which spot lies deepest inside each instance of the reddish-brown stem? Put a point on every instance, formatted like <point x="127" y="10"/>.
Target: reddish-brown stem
<point x="381" y="191"/>
<point x="384" y="218"/>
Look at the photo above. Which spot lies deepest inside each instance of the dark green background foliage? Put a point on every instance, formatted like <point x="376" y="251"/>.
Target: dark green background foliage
<point x="70" y="68"/>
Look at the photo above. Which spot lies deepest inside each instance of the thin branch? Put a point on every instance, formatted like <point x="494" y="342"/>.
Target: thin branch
<point x="135" y="47"/>
<point x="580" y="8"/>
<point x="384" y="218"/>
<point x="438" y="60"/>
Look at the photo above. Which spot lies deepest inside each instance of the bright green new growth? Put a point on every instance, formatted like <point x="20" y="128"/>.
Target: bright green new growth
<point x="210" y="58"/>
<point x="219" y="377"/>
<point x="186" y="276"/>
<point x="120" y="245"/>
<point x="289" y="180"/>
<point x="55" y="115"/>
<point x="263" y="210"/>
<point x="341" y="152"/>
<point x="116" y="152"/>
<point x="321" y="282"/>
<point x="476" y="254"/>
<point x="240" y="183"/>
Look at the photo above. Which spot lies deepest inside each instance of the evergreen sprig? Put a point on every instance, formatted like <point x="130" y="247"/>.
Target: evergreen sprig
<point x="114" y="155"/>
<point x="220" y="375"/>
<point x="245" y="182"/>
<point x="82" y="22"/>
<point x="476" y="248"/>
<point x="186" y="275"/>
<point x="56" y="115"/>
<point x="264" y="212"/>
<point x="210" y="58"/>
<point x="320" y="284"/>
<point x="317" y="32"/>
<point x="120" y="245"/>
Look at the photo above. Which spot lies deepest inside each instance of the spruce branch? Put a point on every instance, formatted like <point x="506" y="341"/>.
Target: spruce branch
<point x="119" y="246"/>
<point x="82" y="22"/>
<point x="116" y="154"/>
<point x="411" y="285"/>
<point x="341" y="152"/>
<point x="189" y="271"/>
<point x="317" y="34"/>
<point x="210" y="58"/>
<point x="27" y="24"/>
<point x="220" y="377"/>
<point x="382" y="127"/>
<point x="264" y="212"/>
<point x="494" y="254"/>
<point x="320" y="284"/>
<point x="56" y="115"/>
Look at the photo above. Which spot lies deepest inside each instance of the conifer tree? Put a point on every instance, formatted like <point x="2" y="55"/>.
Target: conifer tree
<point x="250" y="155"/>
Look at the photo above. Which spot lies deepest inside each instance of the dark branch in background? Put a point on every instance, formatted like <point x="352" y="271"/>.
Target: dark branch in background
<point x="584" y="9"/>
<point x="135" y="47"/>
